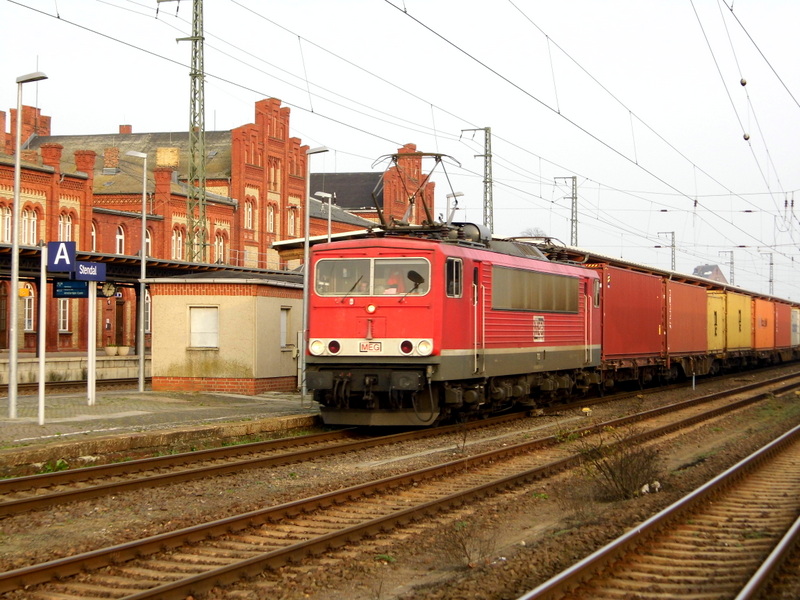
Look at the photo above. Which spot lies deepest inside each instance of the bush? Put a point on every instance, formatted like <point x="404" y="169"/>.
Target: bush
<point x="618" y="470"/>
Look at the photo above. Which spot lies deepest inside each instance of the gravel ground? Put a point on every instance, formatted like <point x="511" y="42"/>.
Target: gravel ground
<point x="498" y="549"/>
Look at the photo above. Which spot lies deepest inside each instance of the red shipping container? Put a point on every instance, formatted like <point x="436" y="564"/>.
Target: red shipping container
<point x="763" y="324"/>
<point x="687" y="317"/>
<point x="633" y="313"/>
<point x="783" y="325"/>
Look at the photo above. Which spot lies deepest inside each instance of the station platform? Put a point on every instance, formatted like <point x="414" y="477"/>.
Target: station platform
<point x="130" y="421"/>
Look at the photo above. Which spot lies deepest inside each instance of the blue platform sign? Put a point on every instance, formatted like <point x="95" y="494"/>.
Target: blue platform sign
<point x="90" y="271"/>
<point x="61" y="257"/>
<point x="66" y="288"/>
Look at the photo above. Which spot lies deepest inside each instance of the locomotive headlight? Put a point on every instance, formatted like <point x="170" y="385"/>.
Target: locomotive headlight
<point x="334" y="347"/>
<point x="316" y="347"/>
<point x="425" y="347"/>
<point x="406" y="347"/>
<point x="371" y="308"/>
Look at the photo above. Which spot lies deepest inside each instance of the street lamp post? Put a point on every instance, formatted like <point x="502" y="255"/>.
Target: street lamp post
<point x="330" y="200"/>
<point x="304" y="338"/>
<point x="14" y="292"/>
<point x="143" y="269"/>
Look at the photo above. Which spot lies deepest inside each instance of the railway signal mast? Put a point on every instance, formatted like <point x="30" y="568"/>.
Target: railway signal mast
<point x="488" y="202"/>
<point x="196" y="193"/>
<point x="573" y="235"/>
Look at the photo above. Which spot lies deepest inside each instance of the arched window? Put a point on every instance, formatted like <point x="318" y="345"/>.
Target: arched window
<point x="290" y="224"/>
<point x="148" y="243"/>
<point x="28" y="228"/>
<point x="177" y="244"/>
<point x="120" y="239"/>
<point x="271" y="218"/>
<point x="64" y="228"/>
<point x="148" y="307"/>
<point x="28" y="307"/>
<point x="5" y="224"/>
<point x="219" y="248"/>
<point x="248" y="215"/>
<point x="94" y="237"/>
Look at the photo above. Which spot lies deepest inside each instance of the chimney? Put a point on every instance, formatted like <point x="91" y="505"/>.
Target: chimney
<point x="125" y="129"/>
<point x="110" y="161"/>
<point x="84" y="161"/>
<point x="51" y="155"/>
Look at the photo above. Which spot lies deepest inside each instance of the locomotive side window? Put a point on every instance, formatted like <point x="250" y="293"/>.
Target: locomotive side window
<point x="596" y="292"/>
<point x="515" y="289"/>
<point x="371" y="276"/>
<point x="454" y="276"/>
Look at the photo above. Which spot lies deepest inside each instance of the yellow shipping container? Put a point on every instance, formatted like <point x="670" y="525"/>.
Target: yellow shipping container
<point x="716" y="321"/>
<point x="739" y="321"/>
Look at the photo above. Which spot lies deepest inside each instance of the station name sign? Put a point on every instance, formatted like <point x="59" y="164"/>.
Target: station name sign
<point x="61" y="258"/>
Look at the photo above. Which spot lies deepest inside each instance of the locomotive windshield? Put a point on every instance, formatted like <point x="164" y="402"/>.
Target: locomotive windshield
<point x="371" y="276"/>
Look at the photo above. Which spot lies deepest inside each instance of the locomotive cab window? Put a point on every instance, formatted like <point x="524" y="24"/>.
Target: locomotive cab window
<point x="371" y="276"/>
<point x="454" y="275"/>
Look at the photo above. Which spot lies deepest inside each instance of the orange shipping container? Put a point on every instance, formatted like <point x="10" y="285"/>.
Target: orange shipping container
<point x="763" y="324"/>
<point x="783" y="325"/>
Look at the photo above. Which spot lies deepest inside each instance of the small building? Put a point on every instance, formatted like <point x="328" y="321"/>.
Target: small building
<point x="711" y="272"/>
<point x="232" y="332"/>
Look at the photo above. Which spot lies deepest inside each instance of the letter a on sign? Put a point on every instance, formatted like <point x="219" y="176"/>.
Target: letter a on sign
<point x="61" y="257"/>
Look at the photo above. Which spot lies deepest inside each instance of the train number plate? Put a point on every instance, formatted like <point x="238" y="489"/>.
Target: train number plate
<point x="370" y="347"/>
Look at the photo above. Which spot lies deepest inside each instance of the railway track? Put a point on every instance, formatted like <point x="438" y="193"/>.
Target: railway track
<point x="68" y="387"/>
<point x="194" y="559"/>
<point x="723" y="540"/>
<point x="37" y="492"/>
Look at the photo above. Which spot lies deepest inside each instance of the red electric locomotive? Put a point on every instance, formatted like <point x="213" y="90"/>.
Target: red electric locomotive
<point x="416" y="325"/>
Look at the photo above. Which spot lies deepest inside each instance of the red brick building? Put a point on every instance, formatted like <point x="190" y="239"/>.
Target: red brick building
<point x="87" y="189"/>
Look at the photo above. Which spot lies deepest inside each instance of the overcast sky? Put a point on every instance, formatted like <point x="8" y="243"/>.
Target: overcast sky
<point x="640" y="100"/>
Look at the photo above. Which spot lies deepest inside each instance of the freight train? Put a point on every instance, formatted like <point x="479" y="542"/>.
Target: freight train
<point x="419" y="325"/>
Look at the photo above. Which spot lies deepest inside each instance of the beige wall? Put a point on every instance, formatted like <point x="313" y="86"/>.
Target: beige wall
<point x="249" y="337"/>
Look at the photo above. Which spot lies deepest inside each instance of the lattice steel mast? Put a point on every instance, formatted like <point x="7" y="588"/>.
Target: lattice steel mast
<point x="488" y="202"/>
<point x="196" y="239"/>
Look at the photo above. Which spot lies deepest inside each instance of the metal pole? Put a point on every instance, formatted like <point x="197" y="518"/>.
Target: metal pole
<point x="304" y="337"/>
<point x="92" y="343"/>
<point x="140" y="345"/>
<point x="14" y="292"/>
<point x="42" y="328"/>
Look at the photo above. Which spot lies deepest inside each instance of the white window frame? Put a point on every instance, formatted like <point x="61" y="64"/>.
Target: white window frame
<point x="204" y="327"/>
<point x="63" y="315"/>
<point x="177" y="244"/>
<point x="119" y="240"/>
<point x="219" y="248"/>
<point x="148" y="308"/>
<point x="94" y="237"/>
<point x="290" y="224"/>
<point x="65" y="228"/>
<point x="29" y="308"/>
<point x="248" y="215"/>
<point x="5" y="225"/>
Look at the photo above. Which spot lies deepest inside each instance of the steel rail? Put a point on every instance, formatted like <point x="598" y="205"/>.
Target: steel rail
<point x="61" y="568"/>
<point x="581" y="571"/>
